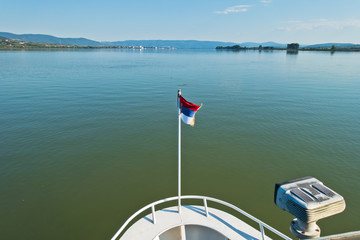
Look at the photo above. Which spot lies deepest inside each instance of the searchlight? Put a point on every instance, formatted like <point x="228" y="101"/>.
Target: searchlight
<point x="309" y="200"/>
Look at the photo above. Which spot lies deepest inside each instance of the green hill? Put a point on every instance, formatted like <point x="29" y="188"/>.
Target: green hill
<point x="42" y="38"/>
<point x="6" y="43"/>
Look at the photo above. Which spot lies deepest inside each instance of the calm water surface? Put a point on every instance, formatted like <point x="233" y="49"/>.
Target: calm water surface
<point x="89" y="137"/>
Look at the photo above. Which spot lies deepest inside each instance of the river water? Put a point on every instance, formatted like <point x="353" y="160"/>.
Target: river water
<point x="88" y="137"/>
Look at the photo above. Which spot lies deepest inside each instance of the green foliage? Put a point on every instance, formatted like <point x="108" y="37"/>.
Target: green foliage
<point x="293" y="46"/>
<point x="233" y="48"/>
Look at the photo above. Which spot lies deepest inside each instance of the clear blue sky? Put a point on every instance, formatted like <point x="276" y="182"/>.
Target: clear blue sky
<point x="303" y="21"/>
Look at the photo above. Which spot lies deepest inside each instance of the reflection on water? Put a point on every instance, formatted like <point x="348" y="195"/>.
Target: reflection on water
<point x="89" y="137"/>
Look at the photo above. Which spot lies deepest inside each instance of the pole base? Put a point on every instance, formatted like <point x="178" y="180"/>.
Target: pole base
<point x="303" y="230"/>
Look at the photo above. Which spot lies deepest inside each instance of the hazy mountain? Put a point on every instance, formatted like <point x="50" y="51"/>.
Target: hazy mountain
<point x="41" y="38"/>
<point x="190" y="44"/>
<point x="170" y="43"/>
<point x="338" y="45"/>
<point x="264" y="44"/>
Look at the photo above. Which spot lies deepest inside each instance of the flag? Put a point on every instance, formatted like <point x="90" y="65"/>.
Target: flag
<point x="187" y="111"/>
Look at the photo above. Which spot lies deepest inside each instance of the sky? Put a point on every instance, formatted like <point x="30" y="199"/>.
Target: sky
<point x="283" y="21"/>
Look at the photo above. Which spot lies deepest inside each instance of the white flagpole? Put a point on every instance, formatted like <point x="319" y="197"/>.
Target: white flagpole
<point x="179" y="153"/>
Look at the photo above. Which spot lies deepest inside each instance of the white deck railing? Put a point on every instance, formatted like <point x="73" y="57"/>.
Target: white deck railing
<point x="262" y="225"/>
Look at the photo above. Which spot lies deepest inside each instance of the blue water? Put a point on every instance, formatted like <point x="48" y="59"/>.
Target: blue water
<point x="88" y="137"/>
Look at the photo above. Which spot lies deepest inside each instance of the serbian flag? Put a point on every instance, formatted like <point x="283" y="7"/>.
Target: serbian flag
<point x="187" y="111"/>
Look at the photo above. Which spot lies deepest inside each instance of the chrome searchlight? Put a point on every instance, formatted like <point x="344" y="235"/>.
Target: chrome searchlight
<point x="309" y="201"/>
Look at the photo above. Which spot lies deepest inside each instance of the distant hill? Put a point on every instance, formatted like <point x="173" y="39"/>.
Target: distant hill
<point x="170" y="43"/>
<point x="337" y="45"/>
<point x="41" y="38"/>
<point x="11" y="44"/>
<point x="264" y="44"/>
<point x="84" y="42"/>
<point x="192" y="44"/>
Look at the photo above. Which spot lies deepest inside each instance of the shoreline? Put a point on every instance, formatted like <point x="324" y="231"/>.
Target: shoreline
<point x="265" y="49"/>
<point x="294" y="51"/>
<point x="159" y="48"/>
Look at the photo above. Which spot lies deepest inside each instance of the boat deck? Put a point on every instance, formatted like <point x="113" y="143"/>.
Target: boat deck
<point x="227" y="225"/>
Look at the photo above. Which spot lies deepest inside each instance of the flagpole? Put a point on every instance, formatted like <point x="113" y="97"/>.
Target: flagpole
<point x="179" y="153"/>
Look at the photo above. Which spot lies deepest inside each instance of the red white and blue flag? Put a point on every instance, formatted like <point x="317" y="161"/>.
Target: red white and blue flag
<point x="187" y="111"/>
